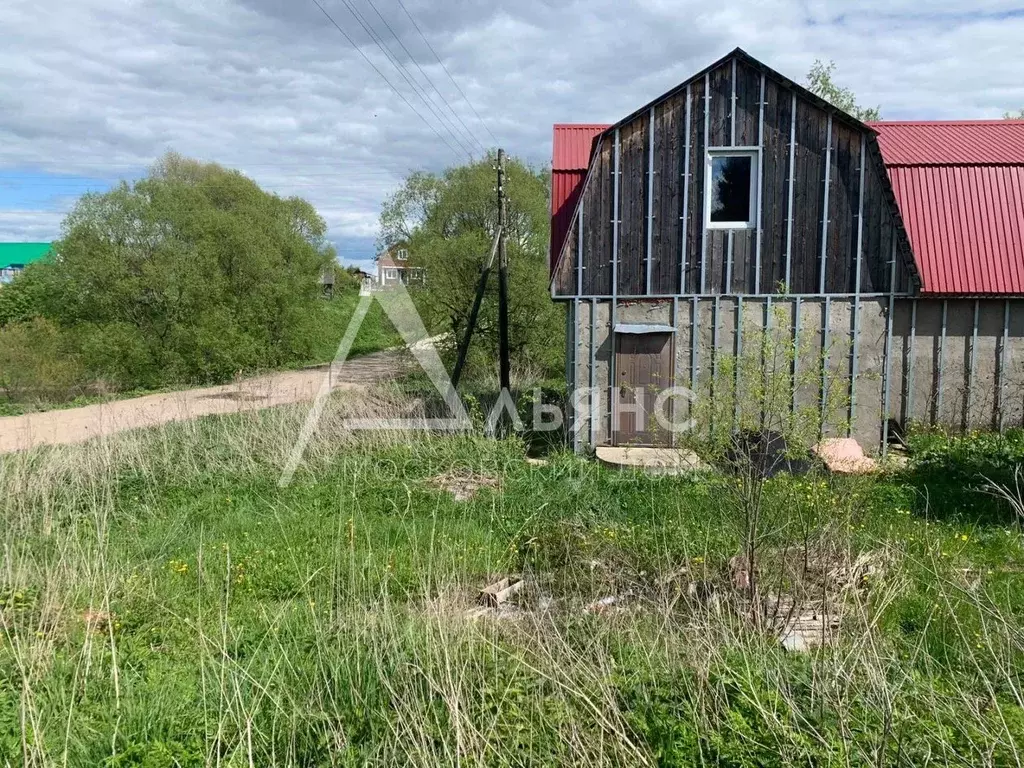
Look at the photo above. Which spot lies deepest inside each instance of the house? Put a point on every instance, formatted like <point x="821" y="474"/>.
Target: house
<point x="740" y="201"/>
<point x="393" y="268"/>
<point x="14" y="257"/>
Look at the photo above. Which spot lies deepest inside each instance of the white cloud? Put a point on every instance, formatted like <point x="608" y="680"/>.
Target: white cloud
<point x="102" y="88"/>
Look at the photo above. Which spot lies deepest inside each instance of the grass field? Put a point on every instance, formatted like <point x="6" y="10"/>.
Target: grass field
<point x="165" y="603"/>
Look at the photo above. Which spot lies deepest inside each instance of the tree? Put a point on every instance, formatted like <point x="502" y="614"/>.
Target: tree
<point x="820" y="83"/>
<point x="190" y="274"/>
<point x="1011" y="116"/>
<point x="448" y="222"/>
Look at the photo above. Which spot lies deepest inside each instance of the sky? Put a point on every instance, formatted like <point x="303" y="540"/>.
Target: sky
<point x="94" y="91"/>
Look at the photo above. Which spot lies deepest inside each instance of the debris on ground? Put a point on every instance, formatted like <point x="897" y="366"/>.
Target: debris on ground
<point x="462" y="484"/>
<point x="536" y="462"/>
<point x="844" y="456"/>
<point x="767" y="454"/>
<point x="499" y="593"/>
<point x="611" y="604"/>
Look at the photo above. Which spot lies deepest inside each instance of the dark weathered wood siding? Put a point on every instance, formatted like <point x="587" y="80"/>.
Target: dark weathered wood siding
<point x="660" y="215"/>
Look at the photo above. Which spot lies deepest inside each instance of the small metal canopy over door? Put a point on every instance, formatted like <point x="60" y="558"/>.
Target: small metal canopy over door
<point x="643" y="368"/>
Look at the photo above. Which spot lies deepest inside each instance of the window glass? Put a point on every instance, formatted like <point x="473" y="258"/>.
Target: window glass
<point x="730" y="188"/>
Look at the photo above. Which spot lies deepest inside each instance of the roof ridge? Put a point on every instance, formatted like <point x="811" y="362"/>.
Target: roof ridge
<point x="1010" y="122"/>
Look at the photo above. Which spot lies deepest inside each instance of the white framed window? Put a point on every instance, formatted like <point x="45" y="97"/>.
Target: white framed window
<point x="730" y="190"/>
<point x="403" y="254"/>
<point x="390" y="273"/>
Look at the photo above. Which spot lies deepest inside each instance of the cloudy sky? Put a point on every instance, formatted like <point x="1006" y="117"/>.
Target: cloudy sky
<point x="92" y="91"/>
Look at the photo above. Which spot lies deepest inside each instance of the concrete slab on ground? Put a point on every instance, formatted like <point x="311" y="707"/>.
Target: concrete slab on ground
<point x="654" y="461"/>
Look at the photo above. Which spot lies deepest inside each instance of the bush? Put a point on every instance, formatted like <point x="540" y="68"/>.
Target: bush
<point x="35" y="365"/>
<point x="186" y="276"/>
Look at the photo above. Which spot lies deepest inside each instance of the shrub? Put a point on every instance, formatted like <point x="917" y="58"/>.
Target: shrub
<point x="34" y="363"/>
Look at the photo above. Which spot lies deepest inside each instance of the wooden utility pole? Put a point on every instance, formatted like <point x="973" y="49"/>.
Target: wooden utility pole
<point x="505" y="371"/>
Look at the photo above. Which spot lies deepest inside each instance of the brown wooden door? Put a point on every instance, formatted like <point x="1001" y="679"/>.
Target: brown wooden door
<point x="643" y="368"/>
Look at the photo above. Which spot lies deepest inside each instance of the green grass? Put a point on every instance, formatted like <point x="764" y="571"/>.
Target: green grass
<point x="165" y="603"/>
<point x="375" y="333"/>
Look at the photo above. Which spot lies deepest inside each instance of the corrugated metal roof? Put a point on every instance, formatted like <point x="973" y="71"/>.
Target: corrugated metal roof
<point x="570" y="149"/>
<point x="570" y="159"/>
<point x="964" y="142"/>
<point x="21" y="254"/>
<point x="960" y="190"/>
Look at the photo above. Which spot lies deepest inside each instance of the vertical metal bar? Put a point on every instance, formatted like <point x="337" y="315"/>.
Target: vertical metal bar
<point x="825" y="356"/>
<point x="824" y="211"/>
<point x="615" y="290"/>
<point x="942" y="363"/>
<point x="575" y="372"/>
<point x="796" y="350"/>
<point x="728" y="262"/>
<point x="760" y="187"/>
<point x="594" y="407"/>
<point x="860" y="222"/>
<point x="1001" y="382"/>
<point x="970" y="372"/>
<point x="888" y="343"/>
<point x="704" y="213"/>
<point x="909" y="404"/>
<point x="764" y="361"/>
<point x="739" y="353"/>
<point x="732" y="107"/>
<point x="789" y="206"/>
<point x="650" y="196"/>
<point x="854" y="365"/>
<point x="675" y="359"/>
<point x="685" y="218"/>
<point x="579" y="253"/>
<point x="694" y="339"/>
<point x="715" y="309"/>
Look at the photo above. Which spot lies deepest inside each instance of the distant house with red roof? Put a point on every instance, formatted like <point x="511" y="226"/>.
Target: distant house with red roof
<point x="739" y="200"/>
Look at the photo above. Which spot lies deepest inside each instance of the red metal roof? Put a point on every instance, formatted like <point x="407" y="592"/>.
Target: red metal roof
<point x="570" y="159"/>
<point x="570" y="150"/>
<point x="960" y="190"/>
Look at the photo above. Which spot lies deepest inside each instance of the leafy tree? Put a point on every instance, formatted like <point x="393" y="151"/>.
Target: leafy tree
<point x="448" y="222"/>
<point x="1019" y="115"/>
<point x="190" y="274"/>
<point x="820" y="82"/>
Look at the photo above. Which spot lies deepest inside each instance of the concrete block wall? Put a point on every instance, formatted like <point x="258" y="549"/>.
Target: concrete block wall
<point x="980" y="374"/>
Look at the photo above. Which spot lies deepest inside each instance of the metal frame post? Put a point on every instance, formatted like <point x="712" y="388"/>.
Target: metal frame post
<point x="615" y="290"/>
<point x="855" y="362"/>
<point x="685" y="218"/>
<point x="909" y="399"/>
<point x="1001" y="384"/>
<point x="704" y="227"/>
<point x="650" y="196"/>
<point x="575" y="372"/>
<point x="796" y="350"/>
<point x="579" y="252"/>
<point x="973" y="362"/>
<point x="824" y="211"/>
<point x="789" y="205"/>
<point x="760" y="188"/>
<point x="825" y="356"/>
<point x="739" y="353"/>
<point x="942" y="363"/>
<point x="594" y="407"/>
<point x="888" y="345"/>
<point x="694" y="340"/>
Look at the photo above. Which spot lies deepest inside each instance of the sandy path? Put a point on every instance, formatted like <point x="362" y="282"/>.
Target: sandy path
<point x="76" y="425"/>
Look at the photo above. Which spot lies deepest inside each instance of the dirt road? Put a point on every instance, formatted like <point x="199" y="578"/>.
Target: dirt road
<point x="76" y="425"/>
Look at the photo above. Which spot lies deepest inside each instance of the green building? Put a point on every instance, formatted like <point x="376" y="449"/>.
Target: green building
<point x="14" y="257"/>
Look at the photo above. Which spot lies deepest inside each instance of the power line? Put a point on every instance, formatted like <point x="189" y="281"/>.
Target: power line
<point x="461" y="92"/>
<point x="383" y="76"/>
<point x="427" y="78"/>
<point x="401" y="69"/>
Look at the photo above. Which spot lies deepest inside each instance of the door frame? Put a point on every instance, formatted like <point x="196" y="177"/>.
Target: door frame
<point x="629" y="329"/>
